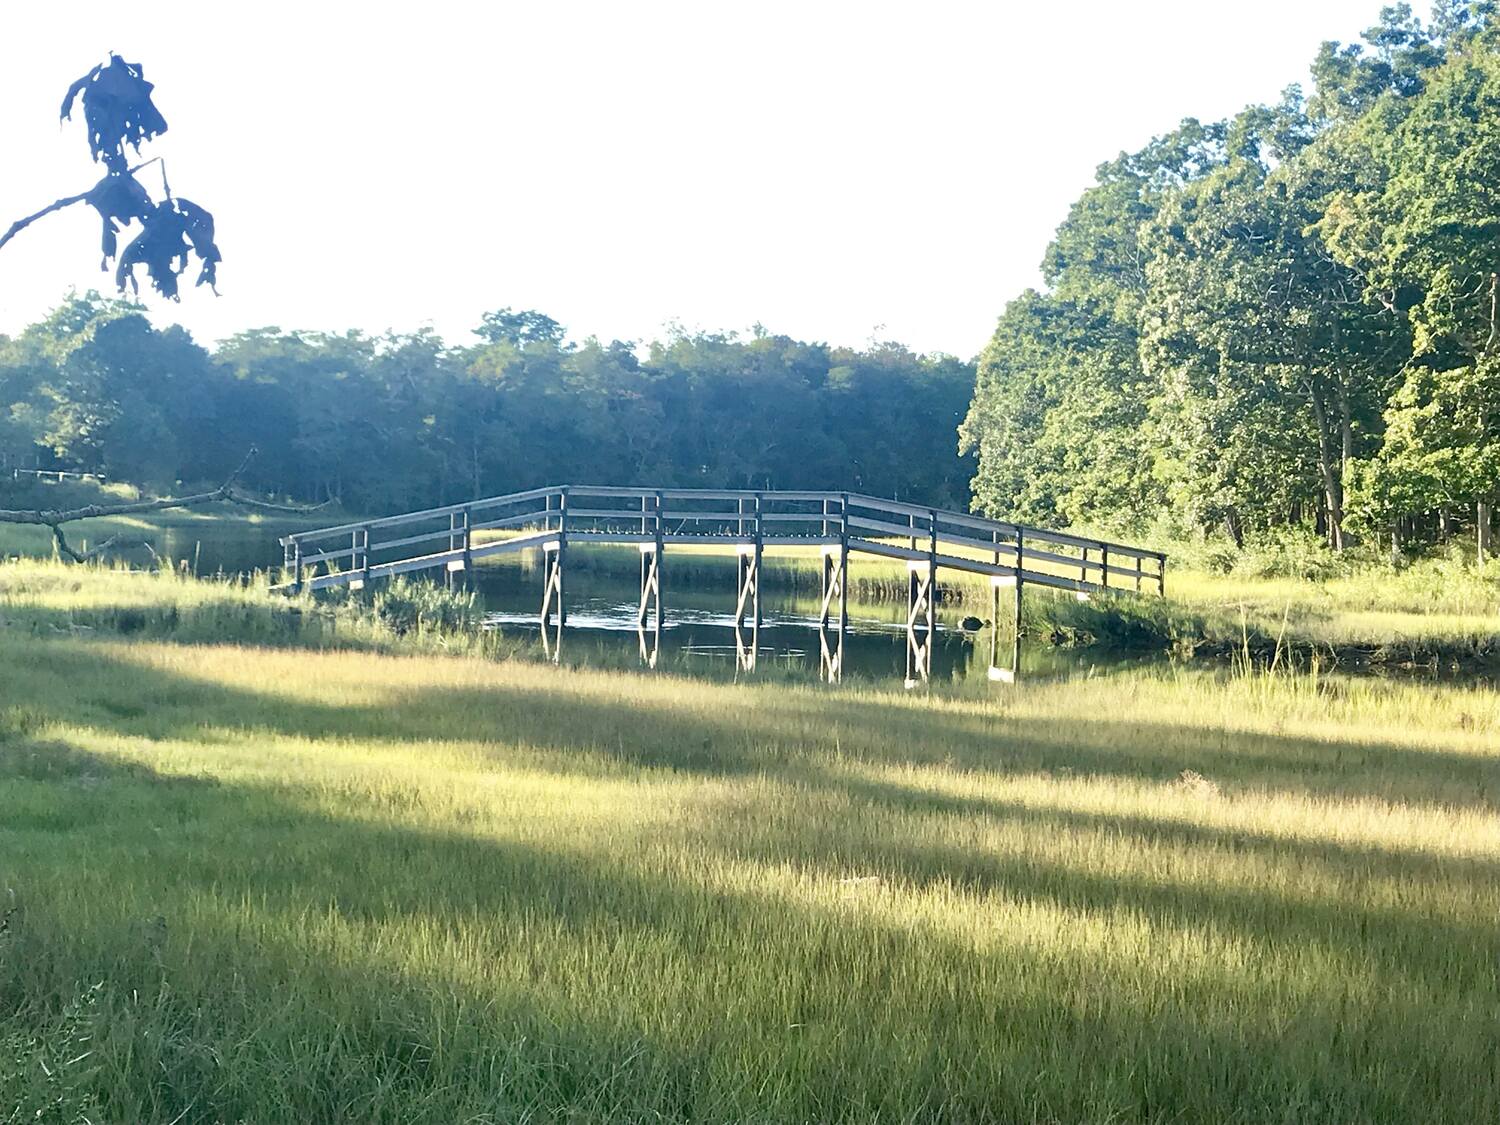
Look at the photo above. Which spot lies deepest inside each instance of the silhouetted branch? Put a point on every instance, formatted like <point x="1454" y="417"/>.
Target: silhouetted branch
<point x="67" y="201"/>
<point x="21" y="224"/>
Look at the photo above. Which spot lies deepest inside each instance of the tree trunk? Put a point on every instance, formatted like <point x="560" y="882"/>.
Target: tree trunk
<point x="1346" y="453"/>
<point x="1333" y="488"/>
<point x="1232" y="526"/>
<point x="1482" y="514"/>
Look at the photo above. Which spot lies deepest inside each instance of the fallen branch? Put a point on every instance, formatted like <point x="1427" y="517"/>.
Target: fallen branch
<point x="226" y="493"/>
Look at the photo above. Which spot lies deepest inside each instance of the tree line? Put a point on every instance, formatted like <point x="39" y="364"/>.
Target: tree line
<point x="1287" y="318"/>
<point x="401" y="421"/>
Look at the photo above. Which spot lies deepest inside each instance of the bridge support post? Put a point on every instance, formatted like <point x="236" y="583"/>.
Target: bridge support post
<point x="466" y="544"/>
<point x="921" y="607"/>
<point x="553" y="555"/>
<point x="648" y="618"/>
<point x="1015" y="653"/>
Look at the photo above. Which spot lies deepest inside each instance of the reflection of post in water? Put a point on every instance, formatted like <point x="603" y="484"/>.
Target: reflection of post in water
<point x="835" y="592"/>
<point x="921" y="620"/>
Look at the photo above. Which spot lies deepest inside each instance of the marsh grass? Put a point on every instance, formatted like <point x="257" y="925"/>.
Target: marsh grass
<point x="48" y="599"/>
<point x="311" y="884"/>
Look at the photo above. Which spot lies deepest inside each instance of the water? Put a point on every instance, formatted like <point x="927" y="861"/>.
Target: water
<point x="603" y="598"/>
<point x="209" y="546"/>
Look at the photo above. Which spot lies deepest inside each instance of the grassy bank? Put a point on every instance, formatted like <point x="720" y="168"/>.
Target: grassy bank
<point x="1436" y="613"/>
<point x="275" y="884"/>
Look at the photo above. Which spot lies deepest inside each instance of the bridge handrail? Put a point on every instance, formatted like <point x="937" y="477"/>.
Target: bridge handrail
<point x="849" y="517"/>
<point x="854" y="499"/>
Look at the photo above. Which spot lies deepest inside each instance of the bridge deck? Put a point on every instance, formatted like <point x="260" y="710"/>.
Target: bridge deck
<point x="840" y="524"/>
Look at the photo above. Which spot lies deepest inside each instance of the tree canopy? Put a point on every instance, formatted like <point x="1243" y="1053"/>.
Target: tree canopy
<point x="1287" y="317"/>
<point x="398" y="421"/>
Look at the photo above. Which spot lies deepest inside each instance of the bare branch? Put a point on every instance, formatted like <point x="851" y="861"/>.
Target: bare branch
<point x="226" y="492"/>
<point x="237" y="497"/>
<point x="21" y="224"/>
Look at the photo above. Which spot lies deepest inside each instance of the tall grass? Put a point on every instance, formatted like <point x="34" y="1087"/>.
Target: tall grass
<point x="48" y="599"/>
<point x="304" y="884"/>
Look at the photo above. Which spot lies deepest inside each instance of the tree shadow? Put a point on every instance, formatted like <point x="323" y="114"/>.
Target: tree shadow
<point x="610" y="997"/>
<point x="753" y="729"/>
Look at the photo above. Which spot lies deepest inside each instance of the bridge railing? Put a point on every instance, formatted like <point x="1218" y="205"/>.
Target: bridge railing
<point x="454" y="536"/>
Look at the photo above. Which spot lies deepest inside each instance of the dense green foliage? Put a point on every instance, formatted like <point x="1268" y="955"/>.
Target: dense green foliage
<point x="403" y="421"/>
<point x="1286" y="318"/>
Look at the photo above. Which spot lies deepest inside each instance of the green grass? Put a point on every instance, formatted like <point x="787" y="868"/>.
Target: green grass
<point x="318" y="884"/>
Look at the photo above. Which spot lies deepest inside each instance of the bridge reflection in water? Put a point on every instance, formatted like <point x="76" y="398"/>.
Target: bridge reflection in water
<point x="838" y="524"/>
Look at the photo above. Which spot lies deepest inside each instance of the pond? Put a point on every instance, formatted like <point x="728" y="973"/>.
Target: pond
<point x="603" y="596"/>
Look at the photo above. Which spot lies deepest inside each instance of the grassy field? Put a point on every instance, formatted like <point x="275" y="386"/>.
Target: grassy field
<point x="294" y="882"/>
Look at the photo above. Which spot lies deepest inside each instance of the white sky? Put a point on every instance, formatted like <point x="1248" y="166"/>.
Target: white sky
<point x="833" y="170"/>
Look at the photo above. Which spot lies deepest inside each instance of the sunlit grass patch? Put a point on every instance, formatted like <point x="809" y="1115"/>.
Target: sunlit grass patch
<point x="324" y="884"/>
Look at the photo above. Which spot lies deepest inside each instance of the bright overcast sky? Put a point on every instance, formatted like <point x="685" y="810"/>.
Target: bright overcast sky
<point x="834" y="171"/>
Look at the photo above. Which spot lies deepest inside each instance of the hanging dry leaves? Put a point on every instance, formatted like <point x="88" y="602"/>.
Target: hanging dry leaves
<point x="117" y="109"/>
<point x="118" y="112"/>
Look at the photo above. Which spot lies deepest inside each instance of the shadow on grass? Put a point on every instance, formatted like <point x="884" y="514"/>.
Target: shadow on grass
<point x="754" y="729"/>
<point x="815" y="743"/>
<point x="259" y="980"/>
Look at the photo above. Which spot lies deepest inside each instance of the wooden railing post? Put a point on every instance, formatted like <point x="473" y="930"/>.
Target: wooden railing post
<point x="291" y="562"/>
<point x="1015" y="650"/>
<point x="468" y="544"/>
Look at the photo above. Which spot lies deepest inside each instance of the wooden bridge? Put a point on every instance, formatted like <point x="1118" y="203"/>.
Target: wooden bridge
<point x="454" y="537"/>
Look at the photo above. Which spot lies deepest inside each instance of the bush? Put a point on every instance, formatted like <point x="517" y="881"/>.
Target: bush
<point x="1292" y="552"/>
<point x="405" y="606"/>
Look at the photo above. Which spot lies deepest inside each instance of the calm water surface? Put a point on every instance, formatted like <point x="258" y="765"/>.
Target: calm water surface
<point x="698" y="620"/>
